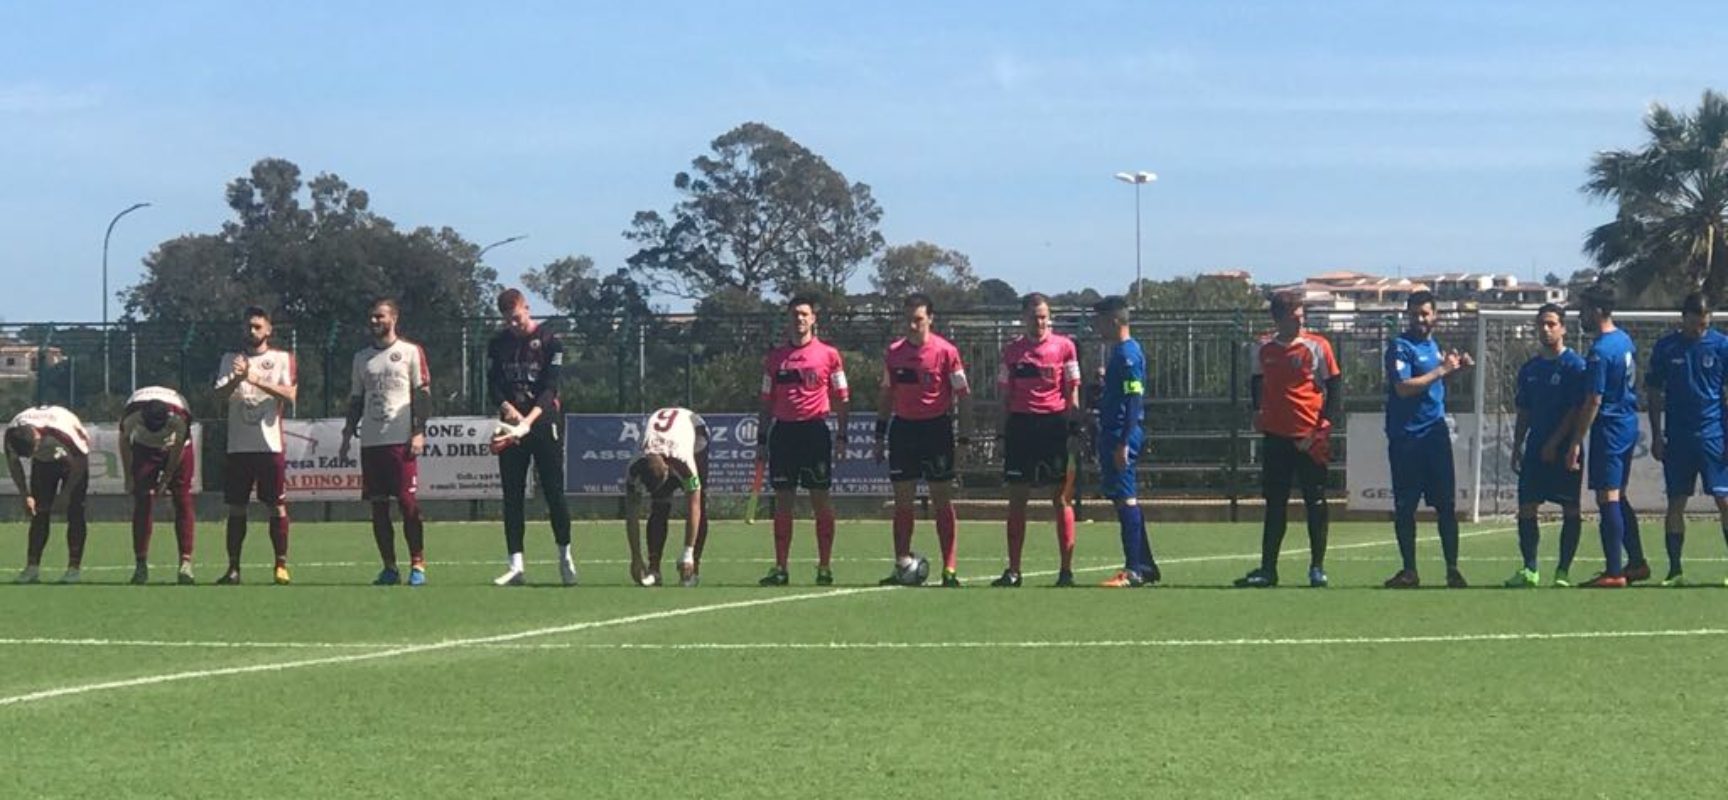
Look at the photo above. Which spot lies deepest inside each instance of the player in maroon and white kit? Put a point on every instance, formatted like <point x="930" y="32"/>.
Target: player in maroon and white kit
<point x="258" y="383"/>
<point x="1039" y="379"/>
<point x="157" y="456"/>
<point x="923" y="381"/>
<point x="389" y="400"/>
<point x="802" y="380"/>
<point x="58" y="448"/>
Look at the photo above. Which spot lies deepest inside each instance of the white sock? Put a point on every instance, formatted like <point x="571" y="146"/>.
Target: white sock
<point x="905" y="562"/>
<point x="564" y="554"/>
<point x="689" y="556"/>
<point x="516" y="562"/>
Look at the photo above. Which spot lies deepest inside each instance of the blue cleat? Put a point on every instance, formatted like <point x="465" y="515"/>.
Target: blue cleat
<point x="417" y="576"/>
<point x="387" y="576"/>
<point x="1317" y="578"/>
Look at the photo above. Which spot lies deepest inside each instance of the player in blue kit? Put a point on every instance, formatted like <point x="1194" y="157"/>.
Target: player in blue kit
<point x="1687" y="370"/>
<point x="1609" y="418"/>
<point x="1121" y="407"/>
<point x="1550" y="390"/>
<point x="1418" y="441"/>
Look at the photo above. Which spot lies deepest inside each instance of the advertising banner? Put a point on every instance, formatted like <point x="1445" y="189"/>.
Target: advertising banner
<point x="600" y="446"/>
<point x="457" y="464"/>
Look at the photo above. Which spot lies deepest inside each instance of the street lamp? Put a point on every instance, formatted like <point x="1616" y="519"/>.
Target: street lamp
<point x="478" y="257"/>
<point x="1139" y="179"/>
<point x="105" y="238"/>
<point x="477" y="261"/>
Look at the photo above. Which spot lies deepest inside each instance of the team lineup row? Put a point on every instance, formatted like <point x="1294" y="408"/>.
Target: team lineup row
<point x="924" y="414"/>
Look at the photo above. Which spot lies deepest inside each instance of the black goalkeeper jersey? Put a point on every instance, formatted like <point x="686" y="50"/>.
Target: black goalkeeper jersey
<point x="523" y="370"/>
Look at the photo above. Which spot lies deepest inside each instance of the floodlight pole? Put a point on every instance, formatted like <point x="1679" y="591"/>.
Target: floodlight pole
<point x="1139" y="179"/>
<point x="105" y="238"/>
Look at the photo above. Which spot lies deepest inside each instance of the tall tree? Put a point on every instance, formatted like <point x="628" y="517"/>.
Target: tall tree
<point x="593" y="302"/>
<point x="1671" y="196"/>
<point x="946" y="275"/>
<point x="760" y="212"/>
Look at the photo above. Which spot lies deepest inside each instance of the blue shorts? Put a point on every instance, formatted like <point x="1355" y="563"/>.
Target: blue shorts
<point x="1609" y="467"/>
<point x="1113" y="483"/>
<point x="1541" y="482"/>
<point x="1422" y="468"/>
<point x="1687" y="460"/>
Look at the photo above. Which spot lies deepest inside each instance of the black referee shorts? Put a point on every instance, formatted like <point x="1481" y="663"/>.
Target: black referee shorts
<point x="921" y="449"/>
<point x="800" y="455"/>
<point x="1036" y="451"/>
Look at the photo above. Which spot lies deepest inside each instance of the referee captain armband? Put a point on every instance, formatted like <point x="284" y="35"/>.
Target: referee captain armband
<point x="1132" y="386"/>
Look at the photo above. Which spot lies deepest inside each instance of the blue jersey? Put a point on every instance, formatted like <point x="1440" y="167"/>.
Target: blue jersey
<point x="1609" y="373"/>
<point x="1689" y="373"/>
<point x="1122" y="403"/>
<point x="1548" y="390"/>
<point x="1413" y="417"/>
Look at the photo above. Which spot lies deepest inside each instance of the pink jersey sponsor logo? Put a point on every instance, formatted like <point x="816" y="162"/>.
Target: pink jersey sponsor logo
<point x="1036" y="376"/>
<point x="797" y="381"/>
<point x="924" y="378"/>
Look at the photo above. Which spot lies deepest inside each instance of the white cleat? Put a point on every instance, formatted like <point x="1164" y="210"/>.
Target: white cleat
<point x="567" y="571"/>
<point x="650" y="579"/>
<point x="30" y="574"/>
<point x="514" y="577"/>
<point x="73" y="575"/>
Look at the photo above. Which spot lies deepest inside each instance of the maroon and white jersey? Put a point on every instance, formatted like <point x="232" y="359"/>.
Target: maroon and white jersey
<point x="386" y="379"/>
<point x="675" y="433"/>
<point x="177" y="433"/>
<point x="254" y="415"/>
<point x="925" y="378"/>
<point x="61" y="431"/>
<point x="1036" y="376"/>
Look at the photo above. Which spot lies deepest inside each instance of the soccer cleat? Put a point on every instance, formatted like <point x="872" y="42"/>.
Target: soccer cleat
<point x="1124" y="579"/>
<point x="1009" y="580"/>
<point x="1455" y="579"/>
<point x="229" y="578"/>
<point x="1605" y="581"/>
<point x="950" y="579"/>
<point x="1257" y="578"/>
<point x="1523" y="579"/>
<point x="1405" y="579"/>
<point x="567" y="571"/>
<point x="687" y="576"/>
<point x="1636" y="572"/>
<point x="1562" y="580"/>
<point x="184" y="576"/>
<point x="1152" y="576"/>
<point x="1317" y="578"/>
<point x="511" y="577"/>
<point x="387" y="576"/>
<point x="1065" y="579"/>
<point x="417" y="576"/>
<point x="30" y="574"/>
<point x="650" y="579"/>
<point x="140" y="575"/>
<point x="824" y="576"/>
<point x="1674" y="579"/>
<point x="73" y="575"/>
<point x="775" y="577"/>
<point x="282" y="577"/>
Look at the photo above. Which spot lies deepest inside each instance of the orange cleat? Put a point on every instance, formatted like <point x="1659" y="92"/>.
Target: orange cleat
<point x="1123" y="580"/>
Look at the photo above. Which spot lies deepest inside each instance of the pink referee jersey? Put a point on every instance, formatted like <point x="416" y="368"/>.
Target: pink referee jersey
<point x="925" y="379"/>
<point x="797" y="380"/>
<point x="1036" y="376"/>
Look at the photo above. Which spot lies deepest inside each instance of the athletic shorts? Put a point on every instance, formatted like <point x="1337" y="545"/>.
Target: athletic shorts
<point x="1282" y="465"/>
<point x="1541" y="482"/>
<point x="921" y="449"/>
<point x="800" y="455"/>
<point x="1113" y="483"/>
<point x="388" y="470"/>
<point x="1609" y="467"/>
<point x="148" y="464"/>
<point x="1422" y="469"/>
<point x="265" y="472"/>
<point x="1036" y="450"/>
<point x="1687" y="460"/>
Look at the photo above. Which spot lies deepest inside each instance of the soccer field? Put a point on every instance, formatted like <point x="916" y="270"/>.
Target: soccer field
<point x="331" y="687"/>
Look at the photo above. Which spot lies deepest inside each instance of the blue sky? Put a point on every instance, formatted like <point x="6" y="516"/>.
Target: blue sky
<point x="1289" y="137"/>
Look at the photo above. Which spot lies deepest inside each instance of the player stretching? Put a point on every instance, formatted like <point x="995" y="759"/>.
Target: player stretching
<point x="522" y="365"/>
<point x="389" y="400"/>
<point x="1687" y="370"/>
<point x="257" y="382"/>
<point x="54" y="441"/>
<point x="157" y="456"/>
<point x="922" y="381"/>
<point x="1040" y="379"/>
<point x="1419" y="444"/>
<point x="1550" y="390"/>
<point x="674" y="456"/>
<point x="1609" y="417"/>
<point x="801" y="380"/>
<point x="1295" y="391"/>
<point x="1121" y="407"/>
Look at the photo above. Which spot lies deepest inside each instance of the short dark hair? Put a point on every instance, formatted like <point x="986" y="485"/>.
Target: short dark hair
<point x="255" y="312"/>
<point x="154" y="414"/>
<point x="509" y="299"/>
<point x="1552" y="308"/>
<point x="21" y="440"/>
<point x="1033" y="300"/>
<point x="919" y="300"/>
<point x="1695" y="303"/>
<point x="1114" y="306"/>
<point x="388" y="301"/>
<point x="803" y="299"/>
<point x="1599" y="296"/>
<point x="1284" y="302"/>
<point x="1421" y="297"/>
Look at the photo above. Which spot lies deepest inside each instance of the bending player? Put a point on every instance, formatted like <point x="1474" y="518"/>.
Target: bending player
<point x="1687" y="370"/>
<point x="1418" y="441"/>
<point x="922" y="381"/>
<point x="674" y="456"/>
<point x="1121" y="408"/>
<point x="58" y="448"/>
<point x="1609" y="417"/>
<point x="157" y="456"/>
<point x="257" y="382"/>
<point x="1040" y="379"/>
<point x="390" y="390"/>
<point x="1550" y="390"/>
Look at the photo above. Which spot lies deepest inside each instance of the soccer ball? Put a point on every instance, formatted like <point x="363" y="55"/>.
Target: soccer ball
<point x="916" y="574"/>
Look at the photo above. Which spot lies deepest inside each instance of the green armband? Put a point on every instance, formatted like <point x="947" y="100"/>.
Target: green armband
<point x="1132" y="386"/>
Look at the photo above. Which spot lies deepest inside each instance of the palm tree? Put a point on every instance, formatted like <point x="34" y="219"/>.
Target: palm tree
<point x="1669" y="235"/>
